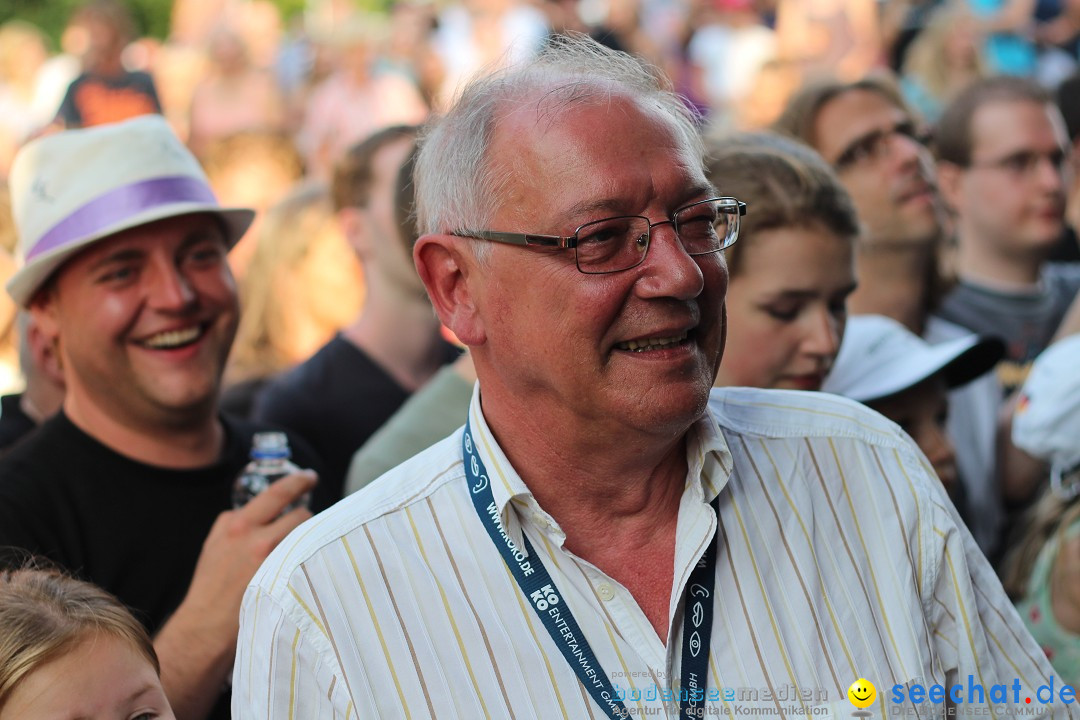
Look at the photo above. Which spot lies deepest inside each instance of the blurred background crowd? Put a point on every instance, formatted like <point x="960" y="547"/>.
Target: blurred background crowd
<point x="269" y="94"/>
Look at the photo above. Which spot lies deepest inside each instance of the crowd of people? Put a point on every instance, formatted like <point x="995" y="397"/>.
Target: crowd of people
<point x="519" y="281"/>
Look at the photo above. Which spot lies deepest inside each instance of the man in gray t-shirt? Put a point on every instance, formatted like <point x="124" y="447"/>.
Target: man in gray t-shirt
<point x="1026" y="318"/>
<point x="1002" y="153"/>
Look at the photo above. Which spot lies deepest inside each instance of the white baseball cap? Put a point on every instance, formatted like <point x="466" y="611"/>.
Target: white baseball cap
<point x="1046" y="423"/>
<point x="879" y="357"/>
<point x="72" y="188"/>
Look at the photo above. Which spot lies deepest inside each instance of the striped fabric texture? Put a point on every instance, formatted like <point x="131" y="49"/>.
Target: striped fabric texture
<point x="839" y="558"/>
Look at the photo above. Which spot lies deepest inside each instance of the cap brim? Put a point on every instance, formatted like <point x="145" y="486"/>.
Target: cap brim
<point x="974" y="362"/>
<point x="25" y="283"/>
<point x="960" y="361"/>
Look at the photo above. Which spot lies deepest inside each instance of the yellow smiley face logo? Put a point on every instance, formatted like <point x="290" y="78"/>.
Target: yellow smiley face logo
<point x="862" y="693"/>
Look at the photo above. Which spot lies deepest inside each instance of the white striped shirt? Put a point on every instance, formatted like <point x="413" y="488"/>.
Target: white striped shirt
<point x="839" y="558"/>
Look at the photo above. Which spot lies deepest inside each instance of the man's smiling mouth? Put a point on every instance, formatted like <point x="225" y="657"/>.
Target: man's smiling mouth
<point x="656" y="343"/>
<point x="173" y="339"/>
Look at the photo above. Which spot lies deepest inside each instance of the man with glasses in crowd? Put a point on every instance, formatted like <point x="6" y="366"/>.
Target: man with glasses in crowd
<point x="865" y="131"/>
<point x="878" y="149"/>
<point x="601" y="539"/>
<point x="1003" y="166"/>
<point x="1003" y="153"/>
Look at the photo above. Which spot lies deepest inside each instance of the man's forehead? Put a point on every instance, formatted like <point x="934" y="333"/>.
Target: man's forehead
<point x="167" y="232"/>
<point x="853" y="115"/>
<point x="553" y="110"/>
<point x="535" y="144"/>
<point x="1002" y="125"/>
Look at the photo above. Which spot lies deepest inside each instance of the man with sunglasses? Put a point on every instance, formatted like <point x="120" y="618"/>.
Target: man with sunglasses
<point x="601" y="539"/>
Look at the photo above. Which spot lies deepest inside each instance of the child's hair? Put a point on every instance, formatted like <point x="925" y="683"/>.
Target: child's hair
<point x="1051" y="515"/>
<point x="45" y="613"/>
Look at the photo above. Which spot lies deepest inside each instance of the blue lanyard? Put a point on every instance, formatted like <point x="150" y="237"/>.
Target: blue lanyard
<point x="544" y="596"/>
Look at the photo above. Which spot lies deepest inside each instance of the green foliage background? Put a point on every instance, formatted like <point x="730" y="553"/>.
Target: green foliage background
<point x="151" y="16"/>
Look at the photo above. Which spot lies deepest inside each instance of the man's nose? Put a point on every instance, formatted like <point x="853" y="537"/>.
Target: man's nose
<point x="908" y="151"/>
<point x="1050" y="173"/>
<point x="169" y="288"/>
<point x="670" y="271"/>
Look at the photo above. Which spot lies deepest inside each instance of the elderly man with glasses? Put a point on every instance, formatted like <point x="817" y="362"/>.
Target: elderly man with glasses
<point x="600" y="539"/>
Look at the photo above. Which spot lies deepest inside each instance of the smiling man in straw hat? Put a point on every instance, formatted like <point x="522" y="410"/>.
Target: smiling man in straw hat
<point x="124" y="272"/>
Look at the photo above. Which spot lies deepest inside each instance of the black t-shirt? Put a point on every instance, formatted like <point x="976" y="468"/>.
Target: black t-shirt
<point x="335" y="400"/>
<point x="14" y="423"/>
<point x="100" y="99"/>
<point x="134" y="529"/>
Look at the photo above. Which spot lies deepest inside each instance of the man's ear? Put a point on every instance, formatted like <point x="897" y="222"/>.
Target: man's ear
<point x="445" y="267"/>
<point x="43" y="329"/>
<point x="45" y="353"/>
<point x="43" y="309"/>
<point x="950" y="178"/>
<point x="351" y="220"/>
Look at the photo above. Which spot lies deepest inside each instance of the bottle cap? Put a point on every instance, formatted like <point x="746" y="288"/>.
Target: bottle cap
<point x="269" y="446"/>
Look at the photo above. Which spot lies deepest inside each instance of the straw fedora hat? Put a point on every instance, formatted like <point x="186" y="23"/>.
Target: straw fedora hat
<point x="75" y="187"/>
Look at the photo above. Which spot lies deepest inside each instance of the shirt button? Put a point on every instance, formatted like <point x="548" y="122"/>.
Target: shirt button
<point x="605" y="592"/>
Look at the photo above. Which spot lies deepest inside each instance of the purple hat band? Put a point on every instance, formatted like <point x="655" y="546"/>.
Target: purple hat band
<point x="117" y="205"/>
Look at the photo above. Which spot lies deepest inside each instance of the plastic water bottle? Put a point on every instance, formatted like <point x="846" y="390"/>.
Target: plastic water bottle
<point x="269" y="463"/>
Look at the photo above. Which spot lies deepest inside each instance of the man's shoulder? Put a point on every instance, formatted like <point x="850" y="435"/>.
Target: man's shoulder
<point x="336" y="362"/>
<point x="825" y="444"/>
<point x="14" y="422"/>
<point x="298" y="376"/>
<point x="1062" y="276"/>
<point x="415" y="481"/>
<point x="38" y="478"/>
<point x="795" y="414"/>
<point x="56" y="442"/>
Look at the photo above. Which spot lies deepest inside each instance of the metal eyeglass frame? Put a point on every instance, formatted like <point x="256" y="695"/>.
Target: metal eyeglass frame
<point x="730" y="206"/>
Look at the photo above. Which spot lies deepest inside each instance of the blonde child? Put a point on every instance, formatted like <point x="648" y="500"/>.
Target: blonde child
<point x="1043" y="572"/>
<point x="70" y="649"/>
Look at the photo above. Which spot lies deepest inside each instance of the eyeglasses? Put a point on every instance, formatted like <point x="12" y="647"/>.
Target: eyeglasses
<point x="873" y="146"/>
<point x="620" y="243"/>
<point x="1024" y="163"/>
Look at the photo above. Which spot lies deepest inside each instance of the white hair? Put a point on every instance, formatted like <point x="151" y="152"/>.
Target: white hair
<point x="458" y="188"/>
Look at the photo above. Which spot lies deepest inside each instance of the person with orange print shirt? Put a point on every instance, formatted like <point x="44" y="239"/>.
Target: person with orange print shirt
<point x="106" y="92"/>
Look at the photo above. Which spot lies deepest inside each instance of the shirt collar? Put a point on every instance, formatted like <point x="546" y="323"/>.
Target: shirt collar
<point x="506" y="484"/>
<point x="708" y="459"/>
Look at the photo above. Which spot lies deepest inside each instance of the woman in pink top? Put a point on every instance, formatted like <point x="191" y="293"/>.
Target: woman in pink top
<point x="234" y="96"/>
